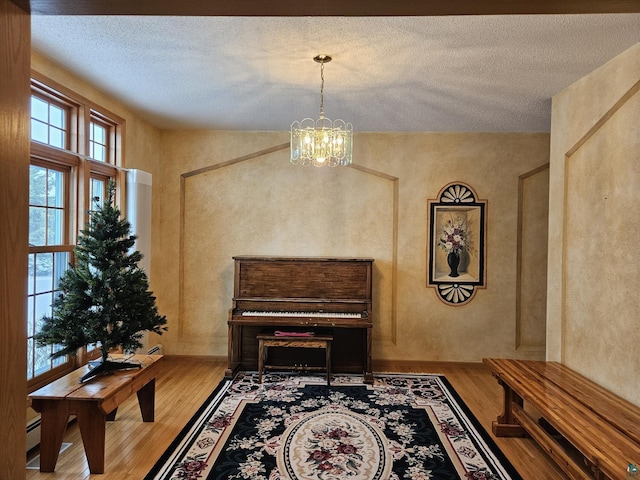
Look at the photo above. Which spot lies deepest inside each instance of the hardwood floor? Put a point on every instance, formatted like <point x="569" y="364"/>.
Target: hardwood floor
<point x="132" y="446"/>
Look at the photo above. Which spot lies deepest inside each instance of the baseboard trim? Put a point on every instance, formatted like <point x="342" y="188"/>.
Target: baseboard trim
<point x="420" y="366"/>
<point x="202" y="358"/>
<point x="379" y="365"/>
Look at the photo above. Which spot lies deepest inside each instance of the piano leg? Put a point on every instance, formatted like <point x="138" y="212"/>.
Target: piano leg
<point x="233" y="355"/>
<point x="368" y="372"/>
<point x="261" y="357"/>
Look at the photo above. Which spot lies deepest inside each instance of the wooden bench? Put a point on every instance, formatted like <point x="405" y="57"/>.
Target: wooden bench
<point x="266" y="340"/>
<point x="93" y="403"/>
<point x="587" y="430"/>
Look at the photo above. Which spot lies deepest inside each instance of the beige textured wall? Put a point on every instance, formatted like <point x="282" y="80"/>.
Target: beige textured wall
<point x="218" y="198"/>
<point x="532" y="261"/>
<point x="215" y="196"/>
<point x="594" y="273"/>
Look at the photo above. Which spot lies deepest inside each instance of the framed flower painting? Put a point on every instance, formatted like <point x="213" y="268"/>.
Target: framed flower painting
<point x="456" y="244"/>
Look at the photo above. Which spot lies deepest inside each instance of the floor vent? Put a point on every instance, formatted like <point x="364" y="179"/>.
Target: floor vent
<point x="155" y="350"/>
<point x="33" y="433"/>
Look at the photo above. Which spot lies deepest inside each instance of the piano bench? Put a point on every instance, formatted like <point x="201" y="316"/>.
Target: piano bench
<point x="266" y="340"/>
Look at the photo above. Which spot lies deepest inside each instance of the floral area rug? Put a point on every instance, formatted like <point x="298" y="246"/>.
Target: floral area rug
<point x="295" y="427"/>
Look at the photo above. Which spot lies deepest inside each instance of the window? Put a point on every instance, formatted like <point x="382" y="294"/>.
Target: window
<point x="97" y="141"/>
<point x="49" y="256"/>
<point x="103" y="135"/>
<point x="49" y="122"/>
<point x="74" y="154"/>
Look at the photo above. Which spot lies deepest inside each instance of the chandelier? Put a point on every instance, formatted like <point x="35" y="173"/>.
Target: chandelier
<point x="321" y="142"/>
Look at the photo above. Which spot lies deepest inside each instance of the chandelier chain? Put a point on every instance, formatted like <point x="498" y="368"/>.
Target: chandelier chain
<point x="322" y="90"/>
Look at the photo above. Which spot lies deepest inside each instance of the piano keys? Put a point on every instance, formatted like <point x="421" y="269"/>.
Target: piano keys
<point x="326" y="294"/>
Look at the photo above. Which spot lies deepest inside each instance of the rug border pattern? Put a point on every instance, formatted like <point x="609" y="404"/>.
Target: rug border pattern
<point x="482" y="441"/>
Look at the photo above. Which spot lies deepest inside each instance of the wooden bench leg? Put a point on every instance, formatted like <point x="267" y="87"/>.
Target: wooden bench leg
<point x="146" y="400"/>
<point x="54" y="417"/>
<point x="111" y="416"/>
<point x="506" y="425"/>
<point x="328" y="352"/>
<point x="92" y="424"/>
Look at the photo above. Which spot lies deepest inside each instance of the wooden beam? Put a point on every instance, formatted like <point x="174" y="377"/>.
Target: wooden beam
<point x="15" y="49"/>
<point x="292" y="8"/>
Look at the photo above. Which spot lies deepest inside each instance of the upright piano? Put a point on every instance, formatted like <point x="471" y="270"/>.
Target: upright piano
<point x="302" y="293"/>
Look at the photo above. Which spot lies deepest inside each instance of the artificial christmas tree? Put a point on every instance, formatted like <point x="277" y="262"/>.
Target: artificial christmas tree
<point x="105" y="297"/>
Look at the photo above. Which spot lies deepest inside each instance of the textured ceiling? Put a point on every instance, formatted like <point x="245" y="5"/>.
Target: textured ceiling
<point x="451" y="73"/>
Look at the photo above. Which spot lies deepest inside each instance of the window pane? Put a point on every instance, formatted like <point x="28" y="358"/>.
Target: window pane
<point x="55" y="193"/>
<point x="37" y="226"/>
<point x="39" y="109"/>
<point x="97" y="152"/>
<point x="55" y="227"/>
<point x="60" y="264"/>
<point x="42" y="363"/>
<point x="39" y="131"/>
<point x="44" y="272"/>
<point x="46" y="212"/>
<point x="30" y="318"/>
<point x="56" y="116"/>
<point x="42" y="308"/>
<point x="98" y="142"/>
<point x="30" y="351"/>
<point x="97" y="133"/>
<point x="31" y="279"/>
<point x="56" y="137"/>
<point x="48" y="268"/>
<point x="37" y="185"/>
<point x="97" y="193"/>
<point x="59" y="360"/>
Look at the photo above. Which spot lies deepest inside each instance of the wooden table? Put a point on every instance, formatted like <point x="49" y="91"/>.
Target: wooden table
<point x="266" y="340"/>
<point x="93" y="403"/>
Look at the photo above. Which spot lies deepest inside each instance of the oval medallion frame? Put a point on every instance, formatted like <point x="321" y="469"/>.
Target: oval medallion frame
<point x="331" y="444"/>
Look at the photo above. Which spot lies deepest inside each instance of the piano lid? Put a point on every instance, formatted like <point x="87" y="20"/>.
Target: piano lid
<point x="303" y="278"/>
<point x="276" y="258"/>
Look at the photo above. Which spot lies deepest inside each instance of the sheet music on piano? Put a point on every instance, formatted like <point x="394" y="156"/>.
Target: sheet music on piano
<point x="303" y="292"/>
